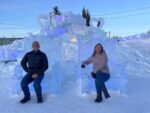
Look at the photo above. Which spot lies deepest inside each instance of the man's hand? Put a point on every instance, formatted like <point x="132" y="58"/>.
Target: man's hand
<point x="34" y="76"/>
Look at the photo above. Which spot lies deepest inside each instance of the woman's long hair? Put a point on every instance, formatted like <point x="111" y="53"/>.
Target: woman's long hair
<point x="102" y="50"/>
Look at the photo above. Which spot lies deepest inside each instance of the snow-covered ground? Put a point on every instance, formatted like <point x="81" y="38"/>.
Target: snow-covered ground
<point x="66" y="43"/>
<point x="137" y="100"/>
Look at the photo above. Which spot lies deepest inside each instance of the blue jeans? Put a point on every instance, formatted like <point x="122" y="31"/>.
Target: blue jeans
<point x="37" y="85"/>
<point x="100" y="80"/>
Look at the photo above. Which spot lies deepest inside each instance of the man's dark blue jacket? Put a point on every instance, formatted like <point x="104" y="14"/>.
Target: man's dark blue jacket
<point x="35" y="63"/>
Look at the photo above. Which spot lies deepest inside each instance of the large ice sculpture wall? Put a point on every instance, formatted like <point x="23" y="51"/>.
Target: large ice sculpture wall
<point x="67" y="42"/>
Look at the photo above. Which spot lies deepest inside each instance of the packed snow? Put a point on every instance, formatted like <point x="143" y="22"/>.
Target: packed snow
<point x="67" y="88"/>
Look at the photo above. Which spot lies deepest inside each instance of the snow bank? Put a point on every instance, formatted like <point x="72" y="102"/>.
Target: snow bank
<point x="136" y="56"/>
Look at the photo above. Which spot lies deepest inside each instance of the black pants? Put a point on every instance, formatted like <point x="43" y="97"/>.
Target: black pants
<point x="37" y="85"/>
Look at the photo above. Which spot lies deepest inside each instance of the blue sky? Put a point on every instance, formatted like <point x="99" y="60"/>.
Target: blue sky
<point x="23" y="13"/>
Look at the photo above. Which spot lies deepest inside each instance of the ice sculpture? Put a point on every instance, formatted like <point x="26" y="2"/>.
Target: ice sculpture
<point x="67" y="42"/>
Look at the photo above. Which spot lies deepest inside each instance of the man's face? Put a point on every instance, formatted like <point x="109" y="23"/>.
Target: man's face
<point x="35" y="46"/>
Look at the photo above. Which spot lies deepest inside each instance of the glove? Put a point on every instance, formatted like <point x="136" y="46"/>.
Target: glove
<point x="93" y="75"/>
<point x="82" y="66"/>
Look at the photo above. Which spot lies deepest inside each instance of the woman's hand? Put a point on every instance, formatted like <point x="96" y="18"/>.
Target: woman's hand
<point x="93" y="75"/>
<point x="82" y="66"/>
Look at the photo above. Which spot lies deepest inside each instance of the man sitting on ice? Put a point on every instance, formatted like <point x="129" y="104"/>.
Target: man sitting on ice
<point x="35" y="63"/>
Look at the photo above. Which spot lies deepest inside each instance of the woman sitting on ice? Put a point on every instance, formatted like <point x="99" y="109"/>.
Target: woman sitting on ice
<point x="100" y="71"/>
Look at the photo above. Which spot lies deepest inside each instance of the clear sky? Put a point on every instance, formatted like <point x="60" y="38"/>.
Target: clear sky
<point x="23" y="14"/>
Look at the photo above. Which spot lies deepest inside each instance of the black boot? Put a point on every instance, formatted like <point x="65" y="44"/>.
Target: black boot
<point x="99" y="98"/>
<point x="24" y="100"/>
<point x="106" y="94"/>
<point x="39" y="100"/>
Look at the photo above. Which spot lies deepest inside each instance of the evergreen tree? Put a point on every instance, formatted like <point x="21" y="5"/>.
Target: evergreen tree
<point x="88" y="18"/>
<point x="84" y="13"/>
<point x="56" y="10"/>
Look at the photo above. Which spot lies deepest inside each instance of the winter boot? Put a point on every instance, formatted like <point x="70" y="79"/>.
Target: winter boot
<point x="99" y="98"/>
<point x="39" y="100"/>
<point x="24" y="100"/>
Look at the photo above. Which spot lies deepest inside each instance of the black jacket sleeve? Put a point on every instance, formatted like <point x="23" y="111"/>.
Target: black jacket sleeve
<point x="24" y="63"/>
<point x="45" y="65"/>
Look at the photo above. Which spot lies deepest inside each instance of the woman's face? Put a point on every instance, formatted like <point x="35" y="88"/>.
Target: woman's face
<point x="98" y="49"/>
